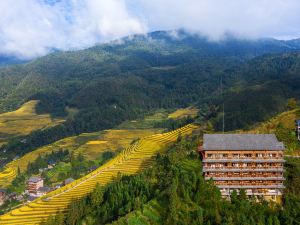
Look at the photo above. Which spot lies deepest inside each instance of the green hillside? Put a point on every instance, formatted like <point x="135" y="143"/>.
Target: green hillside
<point x="117" y="85"/>
<point x="173" y="191"/>
<point x="101" y="87"/>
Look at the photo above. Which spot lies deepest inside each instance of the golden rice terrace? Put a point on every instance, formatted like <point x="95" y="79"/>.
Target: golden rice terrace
<point x="130" y="161"/>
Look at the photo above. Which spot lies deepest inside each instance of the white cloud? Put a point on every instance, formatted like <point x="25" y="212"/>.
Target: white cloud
<point x="30" y="28"/>
<point x="245" y="18"/>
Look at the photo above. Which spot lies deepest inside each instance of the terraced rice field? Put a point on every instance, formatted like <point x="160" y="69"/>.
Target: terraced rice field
<point x="23" y="121"/>
<point x="130" y="161"/>
<point x="91" y="145"/>
<point x="182" y="113"/>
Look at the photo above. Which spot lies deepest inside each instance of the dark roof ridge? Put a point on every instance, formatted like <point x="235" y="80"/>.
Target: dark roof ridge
<point x="241" y="142"/>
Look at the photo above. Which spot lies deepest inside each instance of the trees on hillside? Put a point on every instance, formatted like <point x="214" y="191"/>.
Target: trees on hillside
<point x="175" y="181"/>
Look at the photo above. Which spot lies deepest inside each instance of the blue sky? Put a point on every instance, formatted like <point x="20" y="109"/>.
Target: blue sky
<point x="32" y="28"/>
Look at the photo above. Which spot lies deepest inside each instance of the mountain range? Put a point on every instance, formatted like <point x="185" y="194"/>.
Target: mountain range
<point x="111" y="82"/>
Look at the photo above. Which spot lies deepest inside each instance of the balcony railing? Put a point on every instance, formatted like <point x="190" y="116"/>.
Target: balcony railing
<point x="255" y="193"/>
<point x="280" y="178"/>
<point x="243" y="169"/>
<point x="268" y="160"/>
<point x="279" y="186"/>
<point x="243" y="157"/>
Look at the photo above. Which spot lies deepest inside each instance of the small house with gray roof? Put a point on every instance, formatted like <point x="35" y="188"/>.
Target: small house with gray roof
<point x="253" y="162"/>
<point x="33" y="184"/>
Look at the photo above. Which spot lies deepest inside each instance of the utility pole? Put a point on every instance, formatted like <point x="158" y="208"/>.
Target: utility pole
<point x="223" y="105"/>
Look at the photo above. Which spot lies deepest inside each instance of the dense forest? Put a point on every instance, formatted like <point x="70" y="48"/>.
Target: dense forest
<point x="100" y="87"/>
<point x="176" y="185"/>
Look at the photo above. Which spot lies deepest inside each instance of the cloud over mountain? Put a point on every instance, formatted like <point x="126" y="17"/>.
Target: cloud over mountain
<point x="244" y="18"/>
<point x="30" y="28"/>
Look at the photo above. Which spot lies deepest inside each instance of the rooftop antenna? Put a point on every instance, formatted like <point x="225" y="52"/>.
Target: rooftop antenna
<point x="223" y="106"/>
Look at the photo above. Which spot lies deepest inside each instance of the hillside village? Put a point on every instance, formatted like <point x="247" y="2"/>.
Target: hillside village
<point x="227" y="160"/>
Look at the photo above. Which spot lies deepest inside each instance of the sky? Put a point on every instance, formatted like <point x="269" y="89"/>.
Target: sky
<point x="33" y="28"/>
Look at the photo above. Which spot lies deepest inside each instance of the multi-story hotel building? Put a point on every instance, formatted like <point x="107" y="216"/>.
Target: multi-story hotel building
<point x="253" y="162"/>
<point x="33" y="184"/>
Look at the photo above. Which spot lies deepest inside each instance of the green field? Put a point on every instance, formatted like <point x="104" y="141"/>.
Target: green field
<point x="147" y="122"/>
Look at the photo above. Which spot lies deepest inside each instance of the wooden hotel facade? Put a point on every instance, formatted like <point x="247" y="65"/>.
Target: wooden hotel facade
<point x="253" y="162"/>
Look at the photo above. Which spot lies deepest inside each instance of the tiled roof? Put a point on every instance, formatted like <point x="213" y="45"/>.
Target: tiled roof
<point x="69" y="180"/>
<point x="34" y="179"/>
<point x="44" y="189"/>
<point x="241" y="142"/>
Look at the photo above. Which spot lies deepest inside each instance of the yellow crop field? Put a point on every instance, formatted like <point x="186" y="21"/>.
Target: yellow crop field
<point x="182" y="113"/>
<point x="113" y="140"/>
<point x="23" y="121"/>
<point x="130" y="161"/>
<point x="89" y="144"/>
<point x="96" y="142"/>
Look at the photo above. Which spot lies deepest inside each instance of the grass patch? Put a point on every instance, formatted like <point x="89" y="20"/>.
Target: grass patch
<point x="183" y="113"/>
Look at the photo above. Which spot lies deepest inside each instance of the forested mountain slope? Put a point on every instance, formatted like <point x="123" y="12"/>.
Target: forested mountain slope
<point x="262" y="87"/>
<point x="138" y="63"/>
<point x="110" y="83"/>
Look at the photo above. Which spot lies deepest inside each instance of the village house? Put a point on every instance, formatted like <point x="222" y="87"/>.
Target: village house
<point x="253" y="162"/>
<point x="68" y="181"/>
<point x="58" y="186"/>
<point x="3" y="196"/>
<point x="43" y="191"/>
<point x="33" y="184"/>
<point x="93" y="168"/>
<point x="51" y="164"/>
